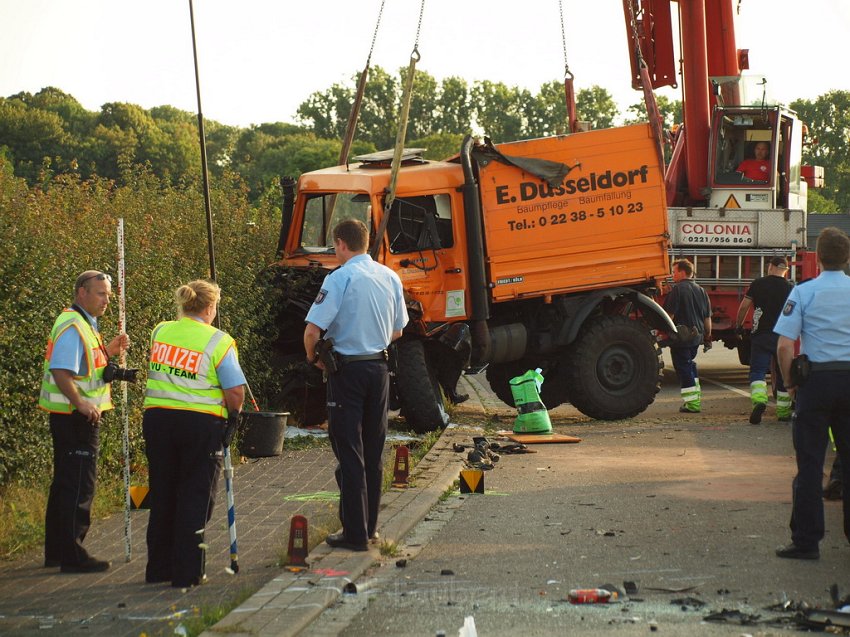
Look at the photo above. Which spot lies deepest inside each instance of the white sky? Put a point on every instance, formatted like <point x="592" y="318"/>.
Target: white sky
<point x="259" y="59"/>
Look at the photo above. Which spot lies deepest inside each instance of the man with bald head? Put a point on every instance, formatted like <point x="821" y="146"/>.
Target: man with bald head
<point x="75" y="395"/>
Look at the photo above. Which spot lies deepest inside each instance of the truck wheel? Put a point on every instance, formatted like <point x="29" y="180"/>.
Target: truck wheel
<point x="614" y="369"/>
<point x="499" y="376"/>
<point x="302" y="393"/>
<point x="418" y="390"/>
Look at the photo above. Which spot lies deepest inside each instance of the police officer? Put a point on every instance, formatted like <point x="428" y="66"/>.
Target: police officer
<point x="194" y="384"/>
<point x="767" y="295"/>
<point x="818" y="312"/>
<point x="74" y="393"/>
<point x="361" y="305"/>
<point x="688" y="305"/>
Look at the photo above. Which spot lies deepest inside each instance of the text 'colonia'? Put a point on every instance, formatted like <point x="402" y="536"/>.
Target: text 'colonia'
<point x="716" y="228"/>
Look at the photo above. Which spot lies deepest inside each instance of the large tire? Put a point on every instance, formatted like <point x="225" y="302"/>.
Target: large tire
<point x="552" y="394"/>
<point x="614" y="368"/>
<point x="419" y="392"/>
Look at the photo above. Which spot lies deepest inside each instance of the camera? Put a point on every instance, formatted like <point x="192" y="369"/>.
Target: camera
<point x="112" y="372"/>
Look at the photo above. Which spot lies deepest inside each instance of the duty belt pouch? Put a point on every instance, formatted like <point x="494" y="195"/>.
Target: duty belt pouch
<point x="801" y="368"/>
<point x="325" y="350"/>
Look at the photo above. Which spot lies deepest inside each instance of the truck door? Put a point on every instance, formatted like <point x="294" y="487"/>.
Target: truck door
<point x="421" y="237"/>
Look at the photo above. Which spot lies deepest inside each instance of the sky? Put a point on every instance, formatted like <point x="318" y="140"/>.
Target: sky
<point x="260" y="59"/>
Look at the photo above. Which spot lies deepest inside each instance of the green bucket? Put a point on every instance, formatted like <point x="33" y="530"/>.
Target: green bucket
<point x="532" y="417"/>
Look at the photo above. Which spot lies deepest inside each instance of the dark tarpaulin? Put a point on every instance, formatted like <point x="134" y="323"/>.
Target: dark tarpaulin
<point x="552" y="172"/>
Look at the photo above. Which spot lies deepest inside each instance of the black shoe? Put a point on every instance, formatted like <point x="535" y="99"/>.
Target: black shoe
<point x="755" y="414"/>
<point x="157" y="579"/>
<point x="52" y="563"/>
<point x="91" y="565"/>
<point x="338" y="541"/>
<point x="794" y="552"/>
<point x="686" y="410"/>
<point x="834" y="490"/>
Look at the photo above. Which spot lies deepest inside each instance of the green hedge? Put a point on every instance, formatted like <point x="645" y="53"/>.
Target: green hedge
<point x="52" y="232"/>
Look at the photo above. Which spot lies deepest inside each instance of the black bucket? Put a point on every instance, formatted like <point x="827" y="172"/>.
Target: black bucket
<point x="262" y="433"/>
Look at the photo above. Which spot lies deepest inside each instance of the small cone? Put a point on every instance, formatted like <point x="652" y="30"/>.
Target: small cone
<point x="139" y="498"/>
<point x="401" y="470"/>
<point x="472" y="481"/>
<point x="297" y="553"/>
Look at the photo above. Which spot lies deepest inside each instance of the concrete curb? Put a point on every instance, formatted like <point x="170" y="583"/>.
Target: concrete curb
<point x="291" y="601"/>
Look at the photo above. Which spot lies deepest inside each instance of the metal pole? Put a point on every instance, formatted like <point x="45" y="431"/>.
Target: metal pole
<point x="125" y="421"/>
<point x="205" y="172"/>
<point x="228" y="464"/>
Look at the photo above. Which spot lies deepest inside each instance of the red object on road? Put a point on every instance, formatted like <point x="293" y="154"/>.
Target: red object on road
<point x="591" y="596"/>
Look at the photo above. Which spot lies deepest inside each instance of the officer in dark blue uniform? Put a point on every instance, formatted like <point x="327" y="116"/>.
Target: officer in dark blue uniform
<point x="818" y="312"/>
<point x="361" y="305"/>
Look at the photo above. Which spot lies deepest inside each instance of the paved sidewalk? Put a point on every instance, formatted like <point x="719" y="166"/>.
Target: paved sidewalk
<point x="35" y="600"/>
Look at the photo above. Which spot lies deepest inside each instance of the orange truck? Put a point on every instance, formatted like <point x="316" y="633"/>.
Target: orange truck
<point x="542" y="253"/>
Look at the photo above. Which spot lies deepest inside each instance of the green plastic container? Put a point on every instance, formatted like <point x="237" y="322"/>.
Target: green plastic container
<point x="532" y="417"/>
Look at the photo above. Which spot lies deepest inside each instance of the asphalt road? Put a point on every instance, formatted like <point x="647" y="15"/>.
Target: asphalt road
<point x="688" y="508"/>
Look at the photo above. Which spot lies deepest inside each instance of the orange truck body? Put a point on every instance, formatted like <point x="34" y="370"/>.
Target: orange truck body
<point x="539" y="253"/>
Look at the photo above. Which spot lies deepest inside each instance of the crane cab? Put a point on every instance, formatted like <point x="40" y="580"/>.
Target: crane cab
<point x="738" y="135"/>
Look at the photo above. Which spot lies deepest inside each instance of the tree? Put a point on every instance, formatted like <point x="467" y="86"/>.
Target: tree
<point x="499" y="110"/>
<point x="670" y="110"/>
<point x="548" y="111"/>
<point x="597" y="106"/>
<point x="828" y="119"/>
<point x="453" y="107"/>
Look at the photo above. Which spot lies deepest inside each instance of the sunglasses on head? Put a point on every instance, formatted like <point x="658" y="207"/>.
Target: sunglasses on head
<point x="100" y="276"/>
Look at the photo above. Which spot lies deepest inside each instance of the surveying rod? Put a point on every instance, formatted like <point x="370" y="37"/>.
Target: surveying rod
<point x="125" y="420"/>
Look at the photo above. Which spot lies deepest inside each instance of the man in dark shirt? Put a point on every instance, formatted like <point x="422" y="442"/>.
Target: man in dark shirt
<point x="688" y="306"/>
<point x="767" y="295"/>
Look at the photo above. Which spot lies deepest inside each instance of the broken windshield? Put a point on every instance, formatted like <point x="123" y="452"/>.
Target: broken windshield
<point x="324" y="211"/>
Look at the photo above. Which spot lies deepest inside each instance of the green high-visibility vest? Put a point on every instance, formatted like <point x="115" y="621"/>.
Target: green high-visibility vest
<point x="182" y="367"/>
<point x="91" y="386"/>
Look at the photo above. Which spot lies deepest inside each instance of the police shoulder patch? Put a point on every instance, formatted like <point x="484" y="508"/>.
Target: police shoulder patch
<point x="789" y="307"/>
<point x="320" y="297"/>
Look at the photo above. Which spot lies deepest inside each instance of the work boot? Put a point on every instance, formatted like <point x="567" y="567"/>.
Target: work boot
<point x="783" y="406"/>
<point x="691" y="403"/>
<point x="758" y="396"/>
<point x="834" y="490"/>
<point x="756" y="413"/>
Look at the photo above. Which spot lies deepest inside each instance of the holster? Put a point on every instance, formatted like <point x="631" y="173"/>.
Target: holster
<point x="801" y="369"/>
<point x="326" y="354"/>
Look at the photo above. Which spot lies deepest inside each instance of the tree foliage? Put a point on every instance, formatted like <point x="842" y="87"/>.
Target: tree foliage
<point x="49" y="234"/>
<point x="50" y="132"/>
<point x="828" y="119"/>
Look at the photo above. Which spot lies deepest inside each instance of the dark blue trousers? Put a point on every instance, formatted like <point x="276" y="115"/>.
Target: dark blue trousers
<point x="357" y="427"/>
<point x="68" y="517"/>
<point x="685" y="365"/>
<point x="762" y="351"/>
<point x="184" y="454"/>
<point x="822" y="403"/>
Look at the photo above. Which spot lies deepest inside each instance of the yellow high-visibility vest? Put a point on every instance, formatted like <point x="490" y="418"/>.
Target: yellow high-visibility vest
<point x="90" y="386"/>
<point x="182" y="374"/>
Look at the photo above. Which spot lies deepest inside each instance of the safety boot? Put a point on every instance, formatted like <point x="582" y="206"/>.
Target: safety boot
<point x="758" y="397"/>
<point x="691" y="403"/>
<point x="783" y="406"/>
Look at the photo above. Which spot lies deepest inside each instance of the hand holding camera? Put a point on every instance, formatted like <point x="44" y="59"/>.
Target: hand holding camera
<point x="113" y="372"/>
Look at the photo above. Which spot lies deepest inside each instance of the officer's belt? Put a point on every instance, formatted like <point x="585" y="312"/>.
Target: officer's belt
<point x="831" y="366"/>
<point x="379" y="356"/>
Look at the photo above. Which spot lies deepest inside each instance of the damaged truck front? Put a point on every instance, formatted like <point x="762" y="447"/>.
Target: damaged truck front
<point x="539" y="253"/>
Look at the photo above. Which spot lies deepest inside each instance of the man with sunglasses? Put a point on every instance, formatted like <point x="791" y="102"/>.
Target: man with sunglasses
<point x="75" y="395"/>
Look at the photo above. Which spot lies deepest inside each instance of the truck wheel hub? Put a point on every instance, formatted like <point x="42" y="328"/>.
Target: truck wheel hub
<point x="615" y="368"/>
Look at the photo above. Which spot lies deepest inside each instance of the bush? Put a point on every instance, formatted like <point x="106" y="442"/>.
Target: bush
<point x="51" y="232"/>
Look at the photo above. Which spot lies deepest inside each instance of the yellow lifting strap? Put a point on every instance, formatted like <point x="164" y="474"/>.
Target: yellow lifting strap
<point x="399" y="140"/>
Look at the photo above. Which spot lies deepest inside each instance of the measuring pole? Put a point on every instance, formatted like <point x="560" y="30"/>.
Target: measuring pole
<point x="125" y="420"/>
<point x="228" y="463"/>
